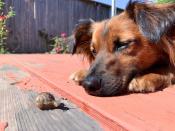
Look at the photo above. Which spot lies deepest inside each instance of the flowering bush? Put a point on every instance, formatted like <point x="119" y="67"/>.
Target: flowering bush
<point x="60" y="44"/>
<point x="165" y="1"/>
<point x="3" y="29"/>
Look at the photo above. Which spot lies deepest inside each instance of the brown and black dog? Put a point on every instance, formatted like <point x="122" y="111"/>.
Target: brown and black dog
<point x="133" y="51"/>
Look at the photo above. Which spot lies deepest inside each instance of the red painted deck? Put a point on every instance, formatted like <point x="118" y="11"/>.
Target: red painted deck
<point x="3" y="125"/>
<point x="134" y="112"/>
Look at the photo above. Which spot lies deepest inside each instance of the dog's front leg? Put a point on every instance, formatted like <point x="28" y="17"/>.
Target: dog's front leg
<point x="151" y="82"/>
<point x="78" y="76"/>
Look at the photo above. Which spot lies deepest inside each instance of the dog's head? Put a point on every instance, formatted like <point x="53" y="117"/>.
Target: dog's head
<point x="125" y="45"/>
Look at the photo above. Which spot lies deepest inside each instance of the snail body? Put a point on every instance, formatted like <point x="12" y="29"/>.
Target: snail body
<point x="46" y="101"/>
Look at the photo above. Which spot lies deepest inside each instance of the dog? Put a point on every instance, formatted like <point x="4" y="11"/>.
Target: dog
<point x="131" y="52"/>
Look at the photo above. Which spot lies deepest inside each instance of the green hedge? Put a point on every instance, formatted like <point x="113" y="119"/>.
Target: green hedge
<point x="165" y="1"/>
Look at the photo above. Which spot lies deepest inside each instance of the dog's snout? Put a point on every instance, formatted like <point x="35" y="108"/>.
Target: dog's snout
<point x="91" y="83"/>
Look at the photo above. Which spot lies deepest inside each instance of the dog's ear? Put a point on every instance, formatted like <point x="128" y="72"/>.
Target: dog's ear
<point x="82" y="38"/>
<point x="153" y="20"/>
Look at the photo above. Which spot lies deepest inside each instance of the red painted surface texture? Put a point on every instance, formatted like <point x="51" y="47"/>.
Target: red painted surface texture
<point x="135" y="112"/>
<point x="3" y="125"/>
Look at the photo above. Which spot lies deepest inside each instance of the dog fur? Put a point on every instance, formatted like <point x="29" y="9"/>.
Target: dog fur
<point x="131" y="52"/>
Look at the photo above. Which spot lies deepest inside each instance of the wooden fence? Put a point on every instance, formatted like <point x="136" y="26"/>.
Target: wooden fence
<point x="52" y="17"/>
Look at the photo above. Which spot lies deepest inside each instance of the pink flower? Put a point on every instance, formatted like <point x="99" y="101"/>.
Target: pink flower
<point x="2" y="18"/>
<point x="63" y="34"/>
<point x="58" y="49"/>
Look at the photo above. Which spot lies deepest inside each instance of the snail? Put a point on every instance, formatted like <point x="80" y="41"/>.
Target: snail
<point x="46" y="101"/>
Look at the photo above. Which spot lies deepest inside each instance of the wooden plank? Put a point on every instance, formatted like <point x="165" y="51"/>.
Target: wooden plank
<point x="127" y="112"/>
<point x="18" y="109"/>
<point x="54" y="17"/>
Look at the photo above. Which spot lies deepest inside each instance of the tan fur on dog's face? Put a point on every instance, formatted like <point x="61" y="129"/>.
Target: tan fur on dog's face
<point x="122" y="30"/>
<point x="126" y="46"/>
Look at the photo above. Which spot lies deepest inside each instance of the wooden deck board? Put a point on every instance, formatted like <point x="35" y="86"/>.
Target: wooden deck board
<point x="18" y="109"/>
<point x="135" y="112"/>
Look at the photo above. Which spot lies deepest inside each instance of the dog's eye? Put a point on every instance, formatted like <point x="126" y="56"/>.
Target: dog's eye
<point x="121" y="46"/>
<point x="94" y="52"/>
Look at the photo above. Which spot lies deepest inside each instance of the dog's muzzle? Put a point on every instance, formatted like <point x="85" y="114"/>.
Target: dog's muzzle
<point x="91" y="83"/>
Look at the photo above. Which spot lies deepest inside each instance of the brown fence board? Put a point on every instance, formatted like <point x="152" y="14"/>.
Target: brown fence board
<point x="51" y="16"/>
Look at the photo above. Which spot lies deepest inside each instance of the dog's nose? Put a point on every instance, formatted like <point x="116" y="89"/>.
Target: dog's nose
<point x="91" y="83"/>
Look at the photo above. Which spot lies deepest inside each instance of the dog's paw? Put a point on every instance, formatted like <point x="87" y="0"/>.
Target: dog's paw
<point x="141" y="85"/>
<point x="150" y="82"/>
<point x="78" y="76"/>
